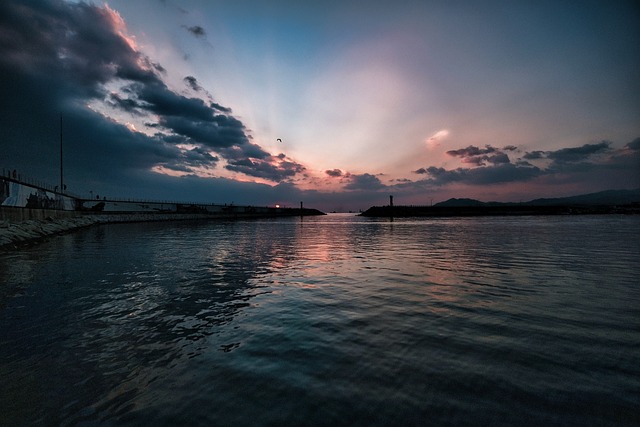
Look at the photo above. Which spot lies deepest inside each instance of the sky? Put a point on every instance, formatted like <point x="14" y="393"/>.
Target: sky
<point x="338" y="104"/>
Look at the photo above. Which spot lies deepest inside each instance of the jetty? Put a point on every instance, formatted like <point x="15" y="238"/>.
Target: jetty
<point x="470" y="211"/>
<point x="31" y="210"/>
<point x="601" y="203"/>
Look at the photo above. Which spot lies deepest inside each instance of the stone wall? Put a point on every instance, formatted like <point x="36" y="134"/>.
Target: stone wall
<point x="12" y="214"/>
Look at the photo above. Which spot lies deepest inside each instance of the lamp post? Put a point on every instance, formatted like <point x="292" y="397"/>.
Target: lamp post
<point x="61" y="164"/>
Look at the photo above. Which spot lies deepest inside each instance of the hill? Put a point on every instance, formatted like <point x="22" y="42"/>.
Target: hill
<point x="608" y="198"/>
<point x="603" y="202"/>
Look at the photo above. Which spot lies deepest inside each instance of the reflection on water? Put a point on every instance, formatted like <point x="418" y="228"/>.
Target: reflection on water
<point x="337" y="320"/>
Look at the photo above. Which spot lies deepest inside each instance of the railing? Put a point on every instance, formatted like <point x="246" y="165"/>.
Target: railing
<point x="14" y="176"/>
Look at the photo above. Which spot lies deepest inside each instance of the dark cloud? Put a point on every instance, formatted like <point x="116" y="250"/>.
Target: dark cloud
<point x="471" y="151"/>
<point x="492" y="156"/>
<point x="523" y="163"/>
<point x="159" y="68"/>
<point x="57" y="57"/>
<point x="273" y="169"/>
<point x="634" y="145"/>
<point x="215" y="134"/>
<point x="219" y="107"/>
<point x="159" y="99"/>
<point x="500" y="158"/>
<point x="192" y="82"/>
<point x="75" y="45"/>
<point x="567" y="156"/>
<point x="334" y="173"/>
<point x="196" y="30"/>
<point x="578" y="154"/>
<point x="483" y="175"/>
<point x="129" y="105"/>
<point x="493" y="166"/>
<point x="475" y="160"/>
<point x="481" y="156"/>
<point x="248" y="150"/>
<point x="200" y="156"/>
<point x="364" y="182"/>
<point x="534" y="155"/>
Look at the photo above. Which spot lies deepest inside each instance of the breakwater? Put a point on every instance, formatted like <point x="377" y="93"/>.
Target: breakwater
<point x="13" y="233"/>
<point x="17" y="192"/>
<point x="21" y="225"/>
<point x="508" y="210"/>
<point x="30" y="210"/>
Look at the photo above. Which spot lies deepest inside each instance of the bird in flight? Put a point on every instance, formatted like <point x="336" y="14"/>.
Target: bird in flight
<point x="279" y="140"/>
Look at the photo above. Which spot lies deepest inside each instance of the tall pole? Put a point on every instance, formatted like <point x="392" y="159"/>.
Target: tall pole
<point x="61" y="174"/>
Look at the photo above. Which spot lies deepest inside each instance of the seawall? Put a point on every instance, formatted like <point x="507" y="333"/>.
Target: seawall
<point x="30" y="210"/>
<point x="23" y="225"/>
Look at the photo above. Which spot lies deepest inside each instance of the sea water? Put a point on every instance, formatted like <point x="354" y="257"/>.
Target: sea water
<point x="337" y="320"/>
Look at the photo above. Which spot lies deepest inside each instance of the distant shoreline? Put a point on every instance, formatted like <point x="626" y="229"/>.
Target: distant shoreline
<point x="510" y="210"/>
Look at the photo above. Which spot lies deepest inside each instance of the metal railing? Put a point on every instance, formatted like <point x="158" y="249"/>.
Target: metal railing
<point x="13" y="175"/>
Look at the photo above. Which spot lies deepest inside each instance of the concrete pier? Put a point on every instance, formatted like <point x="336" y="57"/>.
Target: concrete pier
<point x="21" y="225"/>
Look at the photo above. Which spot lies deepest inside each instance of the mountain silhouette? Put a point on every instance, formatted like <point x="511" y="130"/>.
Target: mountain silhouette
<point x="608" y="197"/>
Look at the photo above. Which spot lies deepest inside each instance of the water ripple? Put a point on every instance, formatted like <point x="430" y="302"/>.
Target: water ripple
<point x="338" y="320"/>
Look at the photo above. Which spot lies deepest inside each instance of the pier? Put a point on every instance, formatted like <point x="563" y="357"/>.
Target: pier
<point x="31" y="210"/>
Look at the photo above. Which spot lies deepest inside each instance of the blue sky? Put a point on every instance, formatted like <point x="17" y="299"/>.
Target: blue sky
<point x="503" y="100"/>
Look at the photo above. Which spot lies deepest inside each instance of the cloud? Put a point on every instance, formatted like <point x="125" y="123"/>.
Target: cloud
<point x="335" y="173"/>
<point x="219" y="107"/>
<point x="481" y="156"/>
<point x="634" y="145"/>
<point x="492" y="165"/>
<point x="434" y="140"/>
<point x="131" y="106"/>
<point x="192" y="82"/>
<point x="500" y="158"/>
<point x="521" y="162"/>
<point x="248" y="150"/>
<point x="364" y="182"/>
<point x="215" y="134"/>
<point x="578" y="154"/>
<point x="534" y="155"/>
<point x="80" y="46"/>
<point x="481" y="176"/>
<point x="159" y="99"/>
<point x="273" y="168"/>
<point x="196" y="30"/>
<point x="471" y="151"/>
<point x="572" y="154"/>
<point x="78" y="61"/>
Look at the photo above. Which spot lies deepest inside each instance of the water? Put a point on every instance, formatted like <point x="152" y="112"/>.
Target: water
<point x="335" y="320"/>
